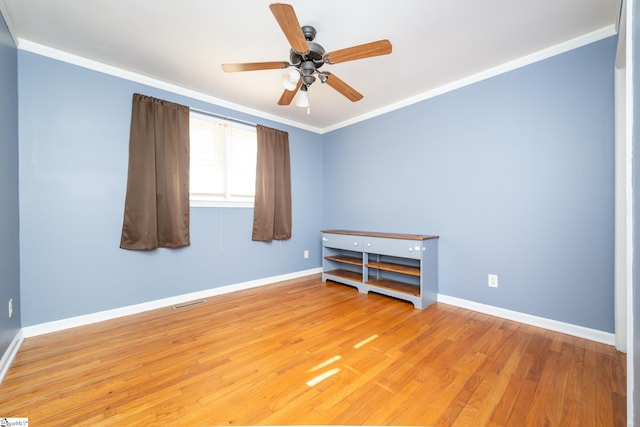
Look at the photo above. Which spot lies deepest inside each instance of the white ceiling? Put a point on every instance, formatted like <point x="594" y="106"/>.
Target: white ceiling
<point x="437" y="45"/>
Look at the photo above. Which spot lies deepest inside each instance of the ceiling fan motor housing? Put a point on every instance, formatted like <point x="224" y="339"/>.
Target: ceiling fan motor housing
<point x="315" y="54"/>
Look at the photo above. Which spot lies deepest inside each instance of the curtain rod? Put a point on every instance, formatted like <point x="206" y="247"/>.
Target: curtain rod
<point x="220" y="116"/>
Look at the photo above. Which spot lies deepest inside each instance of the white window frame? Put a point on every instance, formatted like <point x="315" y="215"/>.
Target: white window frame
<point x="227" y="201"/>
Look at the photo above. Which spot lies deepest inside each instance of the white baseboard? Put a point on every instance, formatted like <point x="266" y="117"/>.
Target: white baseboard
<point x="72" y="322"/>
<point x="541" y="322"/>
<point x="10" y="354"/>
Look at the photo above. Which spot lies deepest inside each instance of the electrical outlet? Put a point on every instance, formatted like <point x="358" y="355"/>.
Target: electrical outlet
<point x="493" y="281"/>
<point x="306" y="254"/>
<point x="10" y="308"/>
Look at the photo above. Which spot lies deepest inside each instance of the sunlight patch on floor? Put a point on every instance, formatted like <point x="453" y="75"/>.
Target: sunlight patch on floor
<point x="366" y="341"/>
<point x="322" y="377"/>
<point x="326" y="363"/>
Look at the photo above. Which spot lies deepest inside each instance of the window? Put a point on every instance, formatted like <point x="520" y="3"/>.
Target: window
<point x="223" y="162"/>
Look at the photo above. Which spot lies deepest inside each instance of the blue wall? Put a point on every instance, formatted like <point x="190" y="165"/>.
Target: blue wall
<point x="9" y="222"/>
<point x="515" y="173"/>
<point x="74" y="132"/>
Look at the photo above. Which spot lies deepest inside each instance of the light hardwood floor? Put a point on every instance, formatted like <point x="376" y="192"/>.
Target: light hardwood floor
<point x="305" y="352"/>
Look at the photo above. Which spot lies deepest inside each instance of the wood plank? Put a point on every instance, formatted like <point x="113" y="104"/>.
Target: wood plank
<point x="589" y="384"/>
<point x="383" y="235"/>
<point x="345" y="274"/>
<point x="607" y="387"/>
<point x="313" y="353"/>
<point x="546" y="406"/>
<point x="396" y="268"/>
<point x="571" y="413"/>
<point x="393" y="285"/>
<point x="345" y="259"/>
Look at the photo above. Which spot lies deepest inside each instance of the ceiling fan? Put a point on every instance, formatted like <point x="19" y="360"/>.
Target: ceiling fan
<point x="306" y="57"/>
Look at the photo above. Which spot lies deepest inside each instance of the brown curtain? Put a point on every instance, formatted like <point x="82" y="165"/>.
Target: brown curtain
<point x="156" y="212"/>
<point x="272" y="212"/>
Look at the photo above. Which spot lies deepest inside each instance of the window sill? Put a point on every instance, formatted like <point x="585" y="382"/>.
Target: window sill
<point x="219" y="204"/>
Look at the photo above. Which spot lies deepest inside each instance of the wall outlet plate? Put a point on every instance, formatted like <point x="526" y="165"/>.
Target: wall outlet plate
<point x="306" y="254"/>
<point x="493" y="280"/>
<point x="10" y="308"/>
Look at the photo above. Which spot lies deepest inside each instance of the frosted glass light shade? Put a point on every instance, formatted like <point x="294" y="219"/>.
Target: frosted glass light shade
<point x="290" y="79"/>
<point x="302" y="99"/>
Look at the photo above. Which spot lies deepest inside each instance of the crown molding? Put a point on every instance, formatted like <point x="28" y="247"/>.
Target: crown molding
<point x="39" y="49"/>
<point x="574" y="43"/>
<point x="543" y="54"/>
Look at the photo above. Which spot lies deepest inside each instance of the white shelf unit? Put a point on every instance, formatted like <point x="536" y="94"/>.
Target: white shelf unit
<point x="403" y="266"/>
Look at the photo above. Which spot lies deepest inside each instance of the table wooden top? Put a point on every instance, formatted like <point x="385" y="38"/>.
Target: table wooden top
<point x="384" y="235"/>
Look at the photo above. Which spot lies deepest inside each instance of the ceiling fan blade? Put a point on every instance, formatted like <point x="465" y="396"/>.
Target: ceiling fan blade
<point x="342" y="87"/>
<point x="288" y="95"/>
<point x="254" y="66"/>
<point x="288" y="21"/>
<point x="367" y="50"/>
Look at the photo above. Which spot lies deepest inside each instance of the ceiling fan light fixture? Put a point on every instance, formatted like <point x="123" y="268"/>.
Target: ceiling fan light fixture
<point x="302" y="99"/>
<point x="290" y="79"/>
<point x="306" y="57"/>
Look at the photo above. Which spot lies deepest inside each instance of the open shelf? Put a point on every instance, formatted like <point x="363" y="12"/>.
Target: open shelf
<point x="393" y="285"/>
<point x="345" y="274"/>
<point x="403" y="266"/>
<point x="345" y="259"/>
<point x="396" y="268"/>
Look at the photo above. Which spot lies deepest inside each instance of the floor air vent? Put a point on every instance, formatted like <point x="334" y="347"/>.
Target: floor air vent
<point x="189" y="304"/>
